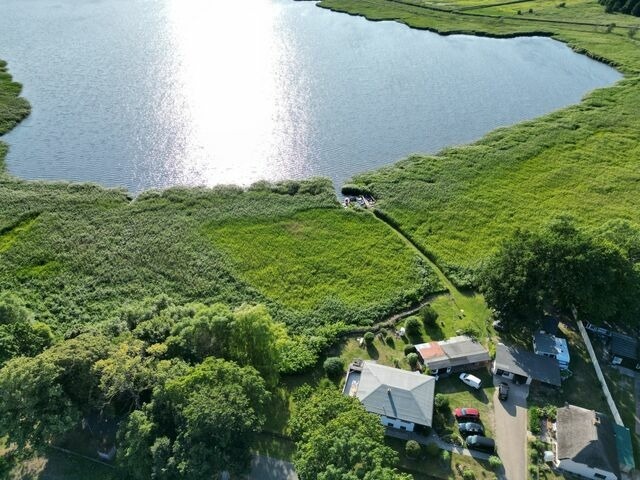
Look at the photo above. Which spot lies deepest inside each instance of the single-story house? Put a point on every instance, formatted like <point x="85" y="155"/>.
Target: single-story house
<point x="624" y="347"/>
<point x="586" y="444"/>
<point x="523" y="366"/>
<point x="456" y="354"/>
<point x="552" y="347"/>
<point x="403" y="399"/>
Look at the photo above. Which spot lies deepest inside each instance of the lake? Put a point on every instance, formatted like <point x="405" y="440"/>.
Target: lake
<point x="153" y="93"/>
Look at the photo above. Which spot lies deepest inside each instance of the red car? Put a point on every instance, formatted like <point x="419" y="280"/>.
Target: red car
<point x="467" y="414"/>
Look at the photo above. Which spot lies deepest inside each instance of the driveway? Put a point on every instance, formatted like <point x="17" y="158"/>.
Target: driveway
<point x="511" y="430"/>
<point x="267" y="468"/>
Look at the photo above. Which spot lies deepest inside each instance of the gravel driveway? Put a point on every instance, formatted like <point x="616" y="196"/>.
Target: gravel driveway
<point x="511" y="430"/>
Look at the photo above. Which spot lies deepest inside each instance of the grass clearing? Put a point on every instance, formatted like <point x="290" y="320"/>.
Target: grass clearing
<point x="315" y="255"/>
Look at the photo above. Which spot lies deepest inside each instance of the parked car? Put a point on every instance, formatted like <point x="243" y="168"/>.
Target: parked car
<point x="503" y="391"/>
<point x="478" y="442"/>
<point x="466" y="414"/>
<point x="471" y="380"/>
<point x="470" y="428"/>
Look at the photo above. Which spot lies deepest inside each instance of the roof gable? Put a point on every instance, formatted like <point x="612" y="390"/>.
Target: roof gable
<point x="587" y="437"/>
<point x="397" y="393"/>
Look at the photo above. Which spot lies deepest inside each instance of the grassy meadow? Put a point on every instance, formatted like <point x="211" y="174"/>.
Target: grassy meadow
<point x="306" y="258"/>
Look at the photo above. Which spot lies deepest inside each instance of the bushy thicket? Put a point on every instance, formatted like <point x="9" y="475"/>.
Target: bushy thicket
<point x="632" y="7"/>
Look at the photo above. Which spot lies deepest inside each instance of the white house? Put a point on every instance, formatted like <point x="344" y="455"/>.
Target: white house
<point x="403" y="399"/>
<point x="586" y="444"/>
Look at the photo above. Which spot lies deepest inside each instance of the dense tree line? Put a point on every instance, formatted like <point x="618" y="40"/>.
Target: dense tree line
<point x="631" y="7"/>
<point x="188" y="385"/>
<point x="563" y="267"/>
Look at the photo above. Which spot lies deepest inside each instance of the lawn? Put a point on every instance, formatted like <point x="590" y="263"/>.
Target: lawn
<point x="315" y="255"/>
<point x="430" y="467"/>
<point x="460" y="395"/>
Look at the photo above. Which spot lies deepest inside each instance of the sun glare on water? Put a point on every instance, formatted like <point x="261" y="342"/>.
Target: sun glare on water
<point x="237" y="107"/>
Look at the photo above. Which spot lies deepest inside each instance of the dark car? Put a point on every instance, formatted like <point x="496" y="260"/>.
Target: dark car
<point x="478" y="442"/>
<point x="503" y="391"/>
<point x="470" y="428"/>
<point x="466" y="414"/>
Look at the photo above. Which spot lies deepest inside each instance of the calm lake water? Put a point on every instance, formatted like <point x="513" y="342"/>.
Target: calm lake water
<point x="153" y="93"/>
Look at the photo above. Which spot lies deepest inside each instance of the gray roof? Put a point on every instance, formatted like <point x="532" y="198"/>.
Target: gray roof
<point x="587" y="437"/>
<point x="527" y="364"/>
<point x="397" y="393"/>
<point x="454" y="352"/>
<point x="624" y="346"/>
<point x="545" y="343"/>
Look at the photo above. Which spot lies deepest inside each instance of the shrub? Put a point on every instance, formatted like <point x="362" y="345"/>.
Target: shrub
<point x="531" y="10"/>
<point x="441" y="402"/>
<point x="562" y="5"/>
<point x="409" y="349"/>
<point x="610" y="27"/>
<point x="432" y="450"/>
<point x="396" y="363"/>
<point x="534" y="420"/>
<point x="445" y="456"/>
<point x="468" y="474"/>
<point x="428" y="315"/>
<point x="412" y="449"/>
<point x="369" y="337"/>
<point x="383" y="332"/>
<point x="632" y="32"/>
<point x="495" y="462"/>
<point x="412" y="326"/>
<point x="391" y="342"/>
<point x="334" y="366"/>
<point x="412" y="358"/>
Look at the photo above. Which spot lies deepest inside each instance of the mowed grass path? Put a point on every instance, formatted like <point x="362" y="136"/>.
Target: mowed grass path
<point x="303" y="259"/>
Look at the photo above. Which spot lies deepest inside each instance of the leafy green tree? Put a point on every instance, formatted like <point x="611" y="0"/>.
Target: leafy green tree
<point x="126" y="374"/>
<point x="34" y="408"/>
<point x="24" y="338"/>
<point x="428" y="315"/>
<point x="562" y="267"/>
<point x="412" y="358"/>
<point x="206" y="334"/>
<point x="412" y="449"/>
<point x="334" y="366"/>
<point x="199" y="424"/>
<point x="339" y="439"/>
<point x="19" y="333"/>
<point x="369" y="337"/>
<point x="76" y="358"/>
<point x="412" y="327"/>
<point x="254" y="341"/>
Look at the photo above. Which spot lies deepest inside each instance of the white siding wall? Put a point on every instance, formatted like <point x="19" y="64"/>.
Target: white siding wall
<point x="396" y="423"/>
<point x="584" y="471"/>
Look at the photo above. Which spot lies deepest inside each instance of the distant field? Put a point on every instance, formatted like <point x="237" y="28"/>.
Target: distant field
<point x="315" y="255"/>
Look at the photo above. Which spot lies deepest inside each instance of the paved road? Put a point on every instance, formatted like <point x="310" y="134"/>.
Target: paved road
<point x="267" y="468"/>
<point x="511" y="430"/>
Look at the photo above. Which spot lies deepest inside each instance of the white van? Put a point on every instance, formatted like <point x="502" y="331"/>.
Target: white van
<point x="470" y="380"/>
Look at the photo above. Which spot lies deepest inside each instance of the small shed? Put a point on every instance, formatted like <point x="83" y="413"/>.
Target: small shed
<point x="455" y="354"/>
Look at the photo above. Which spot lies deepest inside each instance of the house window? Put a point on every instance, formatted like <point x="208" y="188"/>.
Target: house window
<point x="402" y="427"/>
<point x="599" y="475"/>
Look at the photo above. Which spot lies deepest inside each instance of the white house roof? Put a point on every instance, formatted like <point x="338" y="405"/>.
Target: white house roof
<point x="397" y="393"/>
